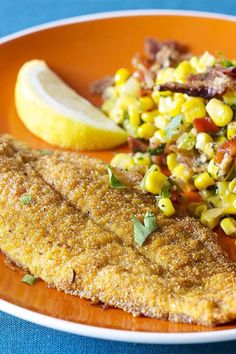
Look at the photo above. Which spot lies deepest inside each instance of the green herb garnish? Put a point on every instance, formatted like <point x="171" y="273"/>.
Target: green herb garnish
<point x="174" y="126"/>
<point x="141" y="232"/>
<point x="233" y="106"/>
<point x="114" y="182"/>
<point x="165" y="193"/>
<point x="26" y="199"/>
<point x="29" y="279"/>
<point x="158" y="150"/>
<point x="46" y="152"/>
<point x="226" y="62"/>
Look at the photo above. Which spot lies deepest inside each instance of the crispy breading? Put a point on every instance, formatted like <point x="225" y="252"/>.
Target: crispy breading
<point x="76" y="234"/>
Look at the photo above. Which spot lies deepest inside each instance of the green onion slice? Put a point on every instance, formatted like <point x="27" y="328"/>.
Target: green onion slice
<point x="29" y="279"/>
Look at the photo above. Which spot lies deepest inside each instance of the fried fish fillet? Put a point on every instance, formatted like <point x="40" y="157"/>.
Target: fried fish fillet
<point x="76" y="234"/>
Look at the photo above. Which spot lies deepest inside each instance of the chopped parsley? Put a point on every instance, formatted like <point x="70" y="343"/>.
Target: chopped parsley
<point x="165" y="193"/>
<point x="226" y="62"/>
<point x="114" y="182"/>
<point x="29" y="279"/>
<point x="26" y="199"/>
<point x="141" y="232"/>
<point x="158" y="150"/>
<point x="173" y="126"/>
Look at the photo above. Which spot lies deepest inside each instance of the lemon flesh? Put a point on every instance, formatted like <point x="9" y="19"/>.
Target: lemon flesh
<point x="54" y="112"/>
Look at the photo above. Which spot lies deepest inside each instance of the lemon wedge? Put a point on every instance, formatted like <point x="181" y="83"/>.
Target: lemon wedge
<point x="58" y="115"/>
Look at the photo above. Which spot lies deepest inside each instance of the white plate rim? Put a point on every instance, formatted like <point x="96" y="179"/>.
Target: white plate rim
<point x="101" y="332"/>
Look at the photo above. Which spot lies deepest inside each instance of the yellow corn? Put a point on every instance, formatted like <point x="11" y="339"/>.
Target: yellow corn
<point x="134" y="116"/>
<point x="220" y="113"/>
<point x="142" y="159"/>
<point x="108" y="105"/>
<point x="206" y="194"/>
<point x="183" y="70"/>
<point x="213" y="169"/>
<point x="124" y="102"/>
<point x="161" y="121"/>
<point x="205" y="61"/>
<point x="230" y="97"/>
<point x="211" y="217"/>
<point x="203" y="180"/>
<point x="121" y="76"/>
<point x="228" y="203"/>
<point x="232" y="186"/>
<point x="145" y="103"/>
<point x="131" y="87"/>
<point x="214" y="200"/>
<point x="182" y="172"/>
<point x="159" y="136"/>
<point x="229" y="226"/>
<point x="165" y="75"/>
<point x="171" y="161"/>
<point x="166" y="206"/>
<point x="194" y="62"/>
<point x="117" y="115"/>
<point x="186" y="141"/>
<point x="123" y="161"/>
<point x="148" y="117"/>
<point x="202" y="139"/>
<point x="170" y="105"/>
<point x="155" y="181"/>
<point x="210" y="150"/>
<point x="196" y="209"/>
<point x="146" y="131"/>
<point x="231" y="130"/>
<point x="222" y="188"/>
<point x="193" y="108"/>
<point x="220" y="139"/>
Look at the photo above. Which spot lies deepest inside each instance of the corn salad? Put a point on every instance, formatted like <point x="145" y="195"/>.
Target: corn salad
<point x="192" y="139"/>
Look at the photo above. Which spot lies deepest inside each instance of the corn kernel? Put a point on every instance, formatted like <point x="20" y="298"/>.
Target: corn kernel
<point x="145" y="103"/>
<point x="124" y="102"/>
<point x="206" y="194"/>
<point x="203" y="180"/>
<point x="214" y="200"/>
<point x="186" y="141"/>
<point x="161" y="121"/>
<point x="170" y="105"/>
<point x="228" y="203"/>
<point x="205" y="61"/>
<point x="121" y="76"/>
<point x="232" y="186"/>
<point x="194" y="62"/>
<point x="146" y="130"/>
<point x="211" y="217"/>
<point x="155" y="181"/>
<point x="220" y="113"/>
<point x="231" y="130"/>
<point x="122" y="161"/>
<point x="230" y="97"/>
<point x="213" y="169"/>
<point x="183" y="70"/>
<point x="165" y="75"/>
<point x="201" y="140"/>
<point x="108" y="105"/>
<point x="182" y="172"/>
<point x="142" y="159"/>
<point x="131" y="87"/>
<point x="166" y="206"/>
<point x="229" y="226"/>
<point x="222" y="188"/>
<point x="210" y="150"/>
<point x="148" y="117"/>
<point x="220" y="139"/>
<point x="117" y="115"/>
<point x="160" y="136"/>
<point x="134" y="116"/>
<point x="171" y="161"/>
<point x="193" y="108"/>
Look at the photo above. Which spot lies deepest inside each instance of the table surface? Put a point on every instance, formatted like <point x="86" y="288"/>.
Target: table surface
<point x="17" y="336"/>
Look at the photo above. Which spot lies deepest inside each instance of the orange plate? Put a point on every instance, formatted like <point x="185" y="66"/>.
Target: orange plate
<point x="80" y="51"/>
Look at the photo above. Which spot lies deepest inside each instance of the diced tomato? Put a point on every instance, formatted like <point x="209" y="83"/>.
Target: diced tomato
<point x="205" y="125"/>
<point x="136" y="145"/>
<point x="228" y="147"/>
<point x="159" y="159"/>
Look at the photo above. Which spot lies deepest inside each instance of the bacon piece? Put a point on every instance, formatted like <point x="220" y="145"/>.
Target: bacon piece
<point x="205" y="125"/>
<point x="213" y="83"/>
<point x="228" y="147"/>
<point x="136" y="145"/>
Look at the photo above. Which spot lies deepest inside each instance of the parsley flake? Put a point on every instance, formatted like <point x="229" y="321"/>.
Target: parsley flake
<point x="29" y="279"/>
<point x="114" y="182"/>
<point x="158" y="150"/>
<point x="26" y="199"/>
<point x="141" y="232"/>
